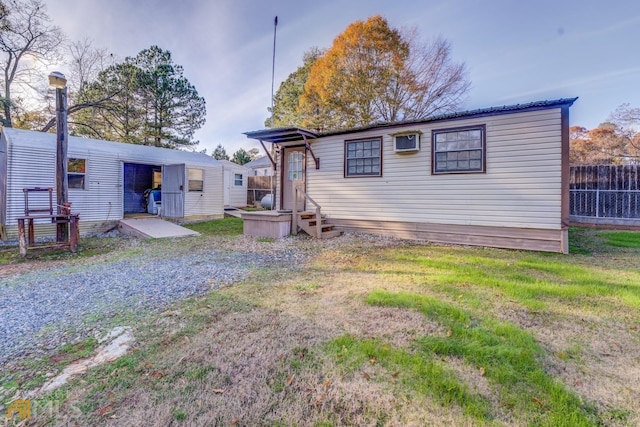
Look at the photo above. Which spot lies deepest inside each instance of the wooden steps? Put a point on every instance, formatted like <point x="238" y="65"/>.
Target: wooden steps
<point x="308" y="223"/>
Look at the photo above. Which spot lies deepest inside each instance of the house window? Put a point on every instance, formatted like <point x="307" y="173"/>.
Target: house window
<point x="460" y="150"/>
<point x="196" y="179"/>
<point x="76" y="172"/>
<point x="295" y="166"/>
<point x="237" y="179"/>
<point x="363" y="157"/>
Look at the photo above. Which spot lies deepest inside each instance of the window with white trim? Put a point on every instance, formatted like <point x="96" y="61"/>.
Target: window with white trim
<point x="459" y="150"/>
<point x="237" y="179"/>
<point x="76" y="173"/>
<point x="196" y="179"/>
<point x="363" y="157"/>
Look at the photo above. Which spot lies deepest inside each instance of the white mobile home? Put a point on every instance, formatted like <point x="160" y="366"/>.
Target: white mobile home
<point x="107" y="180"/>
<point x="492" y="177"/>
<point x="235" y="184"/>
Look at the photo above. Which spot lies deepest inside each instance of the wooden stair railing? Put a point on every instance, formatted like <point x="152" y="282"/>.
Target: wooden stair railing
<point x="311" y="222"/>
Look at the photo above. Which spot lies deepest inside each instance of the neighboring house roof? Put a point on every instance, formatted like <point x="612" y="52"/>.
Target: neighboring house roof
<point x="261" y="162"/>
<point x="47" y="141"/>
<point x="231" y="165"/>
<point x="295" y="134"/>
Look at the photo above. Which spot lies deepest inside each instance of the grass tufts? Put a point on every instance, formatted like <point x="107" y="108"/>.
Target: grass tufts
<point x="230" y="226"/>
<point x="506" y="354"/>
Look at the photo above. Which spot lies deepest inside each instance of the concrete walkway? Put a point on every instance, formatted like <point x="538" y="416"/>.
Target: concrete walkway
<point x="154" y="228"/>
<point x="233" y="212"/>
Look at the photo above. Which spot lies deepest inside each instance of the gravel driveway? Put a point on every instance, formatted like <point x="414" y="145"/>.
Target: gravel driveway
<point x="42" y="309"/>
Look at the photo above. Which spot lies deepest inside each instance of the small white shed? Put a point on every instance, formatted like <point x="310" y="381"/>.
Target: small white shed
<point x="107" y="180"/>
<point x="235" y="184"/>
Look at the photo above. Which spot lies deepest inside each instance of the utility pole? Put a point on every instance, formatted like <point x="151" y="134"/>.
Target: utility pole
<point x="57" y="80"/>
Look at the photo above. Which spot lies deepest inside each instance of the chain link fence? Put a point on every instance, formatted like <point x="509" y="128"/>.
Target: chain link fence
<point x="605" y="191"/>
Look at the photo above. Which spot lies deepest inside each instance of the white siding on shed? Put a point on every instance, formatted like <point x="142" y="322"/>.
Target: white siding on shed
<point x="235" y="195"/>
<point x="30" y="162"/>
<point x="200" y="204"/>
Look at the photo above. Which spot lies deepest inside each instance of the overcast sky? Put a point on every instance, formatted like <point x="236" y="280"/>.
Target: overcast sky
<point x="515" y="51"/>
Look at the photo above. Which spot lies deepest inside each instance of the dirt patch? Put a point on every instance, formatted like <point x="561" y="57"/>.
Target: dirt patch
<point x="24" y="267"/>
<point x="257" y="368"/>
<point x="338" y="302"/>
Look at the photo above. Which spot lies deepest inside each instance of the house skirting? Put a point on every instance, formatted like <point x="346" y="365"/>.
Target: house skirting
<point x="532" y="239"/>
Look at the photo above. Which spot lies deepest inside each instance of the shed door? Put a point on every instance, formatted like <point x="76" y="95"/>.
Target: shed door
<point x="173" y="191"/>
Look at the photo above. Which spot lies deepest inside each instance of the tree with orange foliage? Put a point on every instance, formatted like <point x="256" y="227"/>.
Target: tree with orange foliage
<point x="374" y="73"/>
<point x="604" y="145"/>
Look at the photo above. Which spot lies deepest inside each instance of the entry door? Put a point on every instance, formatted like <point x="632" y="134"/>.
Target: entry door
<point x="293" y="170"/>
<point x="173" y="191"/>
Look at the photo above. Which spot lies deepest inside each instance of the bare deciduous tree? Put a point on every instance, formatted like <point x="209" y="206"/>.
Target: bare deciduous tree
<point x="26" y="39"/>
<point x="86" y="62"/>
<point x="430" y="83"/>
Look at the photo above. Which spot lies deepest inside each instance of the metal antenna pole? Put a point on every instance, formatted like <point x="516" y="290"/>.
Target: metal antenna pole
<point x="273" y="146"/>
<point x="273" y="64"/>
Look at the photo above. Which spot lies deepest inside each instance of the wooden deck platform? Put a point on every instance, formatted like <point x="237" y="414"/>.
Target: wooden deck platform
<point x="272" y="224"/>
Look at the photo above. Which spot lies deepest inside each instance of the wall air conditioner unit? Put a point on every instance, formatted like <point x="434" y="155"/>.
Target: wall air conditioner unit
<point x="406" y="142"/>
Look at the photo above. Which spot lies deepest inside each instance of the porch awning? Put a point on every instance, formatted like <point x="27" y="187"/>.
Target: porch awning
<point x="281" y="135"/>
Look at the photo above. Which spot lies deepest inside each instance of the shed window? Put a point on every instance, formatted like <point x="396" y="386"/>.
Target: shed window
<point x="363" y="157"/>
<point x="459" y="150"/>
<point x="196" y="179"/>
<point x="237" y="179"/>
<point x="76" y="172"/>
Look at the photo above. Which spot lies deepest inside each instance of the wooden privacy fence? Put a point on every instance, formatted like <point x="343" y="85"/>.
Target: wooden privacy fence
<point x="606" y="191"/>
<point x="257" y="188"/>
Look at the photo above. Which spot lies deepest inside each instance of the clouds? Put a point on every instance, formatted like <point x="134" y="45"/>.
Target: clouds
<point x="514" y="51"/>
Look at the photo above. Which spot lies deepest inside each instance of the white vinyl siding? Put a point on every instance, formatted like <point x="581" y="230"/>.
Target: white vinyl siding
<point x="204" y="203"/>
<point x="521" y="186"/>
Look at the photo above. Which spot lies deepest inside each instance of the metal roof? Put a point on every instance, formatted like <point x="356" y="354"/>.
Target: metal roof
<point x="280" y="135"/>
<point x="86" y="146"/>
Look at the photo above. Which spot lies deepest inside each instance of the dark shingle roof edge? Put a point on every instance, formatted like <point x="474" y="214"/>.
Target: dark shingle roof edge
<point x="293" y="133"/>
